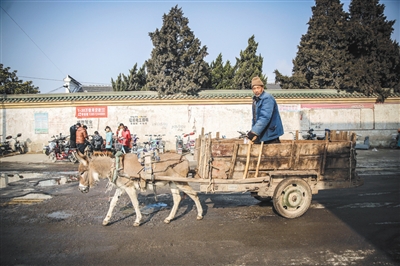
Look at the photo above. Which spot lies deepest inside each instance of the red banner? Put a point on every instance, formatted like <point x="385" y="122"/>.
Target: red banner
<point x="91" y="111"/>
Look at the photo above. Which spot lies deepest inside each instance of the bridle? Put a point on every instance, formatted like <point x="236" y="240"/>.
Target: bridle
<point x="84" y="188"/>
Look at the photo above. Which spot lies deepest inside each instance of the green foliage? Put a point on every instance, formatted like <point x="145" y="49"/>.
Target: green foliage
<point x="347" y="51"/>
<point x="323" y="49"/>
<point x="177" y="60"/>
<point x="221" y="75"/>
<point x="10" y="84"/>
<point x="135" y="81"/>
<point x="374" y="57"/>
<point x="248" y="66"/>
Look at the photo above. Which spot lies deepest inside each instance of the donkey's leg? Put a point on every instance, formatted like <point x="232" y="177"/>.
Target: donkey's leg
<point x="131" y="191"/>
<point x="193" y="195"/>
<point x="113" y="202"/>
<point x="177" y="199"/>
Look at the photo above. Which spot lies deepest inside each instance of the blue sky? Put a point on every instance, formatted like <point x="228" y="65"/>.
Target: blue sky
<point x="94" y="41"/>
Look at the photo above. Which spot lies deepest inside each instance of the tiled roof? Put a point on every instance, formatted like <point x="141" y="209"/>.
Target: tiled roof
<point x="96" y="88"/>
<point x="203" y="95"/>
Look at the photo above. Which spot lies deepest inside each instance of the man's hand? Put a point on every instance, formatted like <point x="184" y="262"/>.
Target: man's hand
<point x="252" y="136"/>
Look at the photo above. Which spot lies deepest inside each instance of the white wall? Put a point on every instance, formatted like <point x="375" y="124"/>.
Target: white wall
<point x="378" y="122"/>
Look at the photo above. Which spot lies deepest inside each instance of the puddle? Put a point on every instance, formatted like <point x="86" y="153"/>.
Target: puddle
<point x="47" y="183"/>
<point x="48" y="178"/>
<point x="148" y="209"/>
<point x="59" y="215"/>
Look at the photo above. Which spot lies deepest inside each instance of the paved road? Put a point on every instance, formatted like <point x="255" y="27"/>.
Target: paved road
<point x="358" y="226"/>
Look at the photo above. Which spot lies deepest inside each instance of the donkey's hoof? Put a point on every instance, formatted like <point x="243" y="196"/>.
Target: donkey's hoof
<point x="167" y="221"/>
<point x="136" y="224"/>
<point x="199" y="217"/>
<point x="105" y="222"/>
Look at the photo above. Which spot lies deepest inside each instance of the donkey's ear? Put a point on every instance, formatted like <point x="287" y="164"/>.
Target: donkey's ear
<point x="81" y="158"/>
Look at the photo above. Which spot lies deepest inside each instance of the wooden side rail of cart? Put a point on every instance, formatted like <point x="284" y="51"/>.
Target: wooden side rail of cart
<point x="288" y="172"/>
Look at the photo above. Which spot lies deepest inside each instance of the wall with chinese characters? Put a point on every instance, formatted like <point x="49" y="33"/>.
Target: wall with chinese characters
<point x="38" y="125"/>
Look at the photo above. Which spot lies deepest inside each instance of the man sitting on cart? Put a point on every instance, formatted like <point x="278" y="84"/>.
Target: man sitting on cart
<point x="266" y="123"/>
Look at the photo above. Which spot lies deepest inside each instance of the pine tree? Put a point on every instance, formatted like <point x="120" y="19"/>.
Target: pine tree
<point x="217" y="73"/>
<point x="323" y="49"/>
<point x="374" y="57"/>
<point x="248" y="66"/>
<point x="135" y="81"/>
<point x="229" y="74"/>
<point x="119" y="84"/>
<point x="11" y="84"/>
<point x="177" y="59"/>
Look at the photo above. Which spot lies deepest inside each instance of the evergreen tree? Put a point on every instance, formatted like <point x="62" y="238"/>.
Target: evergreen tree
<point x="135" y="81"/>
<point x="229" y="74"/>
<point x="177" y="59"/>
<point x="248" y="66"/>
<point x="119" y="84"/>
<point x="374" y="57"/>
<point x="217" y="73"/>
<point x="11" y="84"/>
<point x="322" y="50"/>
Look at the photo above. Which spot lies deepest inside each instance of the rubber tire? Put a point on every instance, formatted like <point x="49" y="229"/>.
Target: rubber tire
<point x="52" y="157"/>
<point x="292" y="197"/>
<point x="393" y="144"/>
<point x="72" y="158"/>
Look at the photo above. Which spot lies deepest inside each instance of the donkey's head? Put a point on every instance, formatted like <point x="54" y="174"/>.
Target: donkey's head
<point x="83" y="172"/>
<point x="90" y="170"/>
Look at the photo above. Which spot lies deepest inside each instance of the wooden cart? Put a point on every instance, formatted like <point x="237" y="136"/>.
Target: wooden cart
<point x="288" y="172"/>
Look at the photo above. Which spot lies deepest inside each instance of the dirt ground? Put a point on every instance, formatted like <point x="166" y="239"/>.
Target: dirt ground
<point x="236" y="230"/>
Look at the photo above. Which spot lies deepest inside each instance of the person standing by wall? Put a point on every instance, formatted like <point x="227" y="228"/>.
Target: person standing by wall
<point x="119" y="132"/>
<point x="97" y="141"/>
<point x="81" y="137"/>
<point x="266" y="123"/>
<point x="127" y="138"/>
<point x="72" y="135"/>
<point x="109" y="138"/>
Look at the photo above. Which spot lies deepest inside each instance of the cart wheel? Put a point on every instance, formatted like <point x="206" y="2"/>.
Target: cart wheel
<point x="292" y="197"/>
<point x="20" y="150"/>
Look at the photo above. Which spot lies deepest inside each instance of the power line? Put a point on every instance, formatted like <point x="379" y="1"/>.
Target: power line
<point x="83" y="82"/>
<point x="40" y="78"/>
<point x="33" y="41"/>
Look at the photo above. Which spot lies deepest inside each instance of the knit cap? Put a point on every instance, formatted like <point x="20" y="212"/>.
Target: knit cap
<point x="256" y="81"/>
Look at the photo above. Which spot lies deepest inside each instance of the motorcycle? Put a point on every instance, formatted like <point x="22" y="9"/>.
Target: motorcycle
<point x="134" y="143"/>
<point x="92" y="145"/>
<point x="190" y="143"/>
<point x="179" y="144"/>
<point x="395" y="143"/>
<point x="12" y="145"/>
<point x="59" y="150"/>
<point x="311" y="136"/>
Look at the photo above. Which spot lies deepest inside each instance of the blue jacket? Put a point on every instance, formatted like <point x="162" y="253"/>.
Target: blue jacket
<point x="267" y="124"/>
<point x="109" y="139"/>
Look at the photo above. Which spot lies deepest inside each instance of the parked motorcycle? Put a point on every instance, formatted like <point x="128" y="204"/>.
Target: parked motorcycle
<point x="12" y="145"/>
<point x="179" y="144"/>
<point x="134" y="143"/>
<point x="395" y="143"/>
<point x="190" y="143"/>
<point x="311" y="136"/>
<point x="59" y="150"/>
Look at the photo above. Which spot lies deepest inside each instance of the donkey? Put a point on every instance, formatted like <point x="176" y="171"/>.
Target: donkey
<point x="174" y="165"/>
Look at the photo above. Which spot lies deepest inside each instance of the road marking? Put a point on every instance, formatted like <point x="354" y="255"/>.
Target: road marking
<point x="365" y="205"/>
<point x="374" y="194"/>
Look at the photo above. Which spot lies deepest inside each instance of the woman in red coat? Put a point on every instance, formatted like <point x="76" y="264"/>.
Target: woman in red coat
<point x="126" y="141"/>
